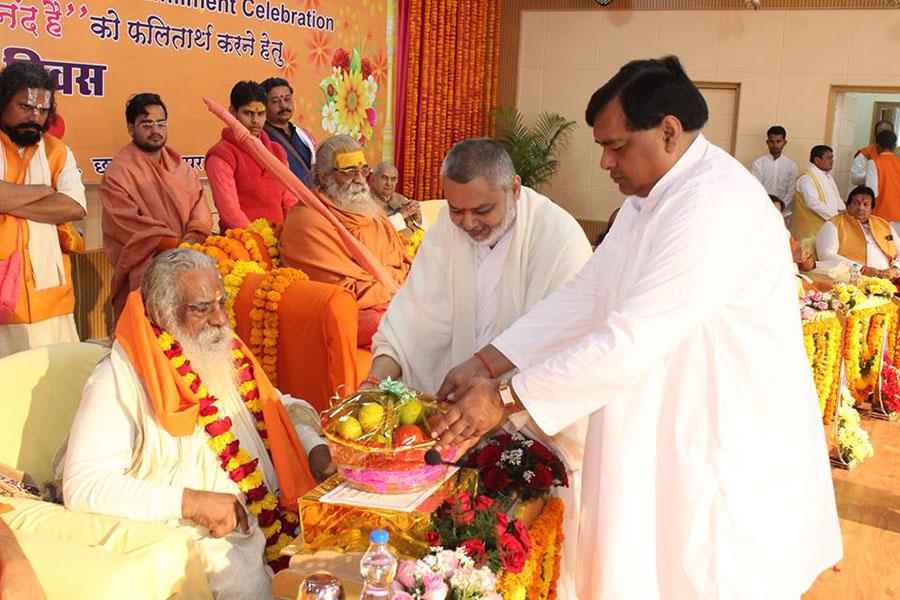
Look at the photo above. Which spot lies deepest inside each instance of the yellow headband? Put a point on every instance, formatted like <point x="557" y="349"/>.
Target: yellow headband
<point x="348" y="160"/>
<point x="256" y="106"/>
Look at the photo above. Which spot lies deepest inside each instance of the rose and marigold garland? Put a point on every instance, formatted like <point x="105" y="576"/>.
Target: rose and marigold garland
<point x="278" y="526"/>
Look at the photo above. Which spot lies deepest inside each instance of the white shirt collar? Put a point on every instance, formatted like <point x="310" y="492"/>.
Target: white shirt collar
<point x="691" y="156"/>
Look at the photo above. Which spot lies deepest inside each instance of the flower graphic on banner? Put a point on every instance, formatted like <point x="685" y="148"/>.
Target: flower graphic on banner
<point x="319" y="49"/>
<point x="350" y="92"/>
<point x="379" y="67"/>
<point x="290" y="63"/>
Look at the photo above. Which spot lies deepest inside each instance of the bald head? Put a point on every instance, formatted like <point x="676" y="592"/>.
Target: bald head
<point x="383" y="180"/>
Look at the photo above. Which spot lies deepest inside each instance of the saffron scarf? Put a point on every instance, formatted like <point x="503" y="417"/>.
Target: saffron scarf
<point x="177" y="408"/>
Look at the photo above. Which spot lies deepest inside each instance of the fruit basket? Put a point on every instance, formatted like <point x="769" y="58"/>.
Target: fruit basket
<point x="378" y="439"/>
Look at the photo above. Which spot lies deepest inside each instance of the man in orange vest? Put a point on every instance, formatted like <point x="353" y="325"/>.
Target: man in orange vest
<point x="864" y="155"/>
<point x="40" y="192"/>
<point x="861" y="237"/>
<point x="883" y="176"/>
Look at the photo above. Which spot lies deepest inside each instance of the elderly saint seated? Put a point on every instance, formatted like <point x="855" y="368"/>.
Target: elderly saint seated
<point x="861" y="237"/>
<point x="180" y="425"/>
<point x="497" y="250"/>
<point x="311" y="243"/>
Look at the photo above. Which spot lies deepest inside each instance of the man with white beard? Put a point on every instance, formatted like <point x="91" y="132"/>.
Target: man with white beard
<point x="311" y="243"/>
<point x="497" y="250"/>
<point x="180" y="425"/>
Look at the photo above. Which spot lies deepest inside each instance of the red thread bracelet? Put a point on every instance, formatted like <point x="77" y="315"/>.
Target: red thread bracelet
<point x="486" y="366"/>
<point x="370" y="380"/>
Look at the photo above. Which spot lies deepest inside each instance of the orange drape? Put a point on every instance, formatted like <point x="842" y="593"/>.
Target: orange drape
<point x="451" y="85"/>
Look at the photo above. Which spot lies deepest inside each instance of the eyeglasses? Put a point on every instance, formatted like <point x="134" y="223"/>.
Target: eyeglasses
<point x="148" y="125"/>
<point x="204" y="309"/>
<point x="31" y="108"/>
<point x="353" y="172"/>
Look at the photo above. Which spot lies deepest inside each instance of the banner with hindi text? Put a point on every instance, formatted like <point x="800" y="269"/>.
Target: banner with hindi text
<point x="337" y="54"/>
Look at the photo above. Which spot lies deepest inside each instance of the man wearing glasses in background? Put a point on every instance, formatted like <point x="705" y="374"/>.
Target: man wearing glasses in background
<point x="309" y="242"/>
<point x="152" y="199"/>
<point x="40" y="193"/>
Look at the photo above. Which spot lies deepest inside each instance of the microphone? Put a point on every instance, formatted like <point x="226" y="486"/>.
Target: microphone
<point x="433" y="457"/>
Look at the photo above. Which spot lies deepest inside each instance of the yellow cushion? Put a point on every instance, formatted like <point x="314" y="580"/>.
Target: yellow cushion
<point x="431" y="210"/>
<point x="41" y="391"/>
<point x="108" y="557"/>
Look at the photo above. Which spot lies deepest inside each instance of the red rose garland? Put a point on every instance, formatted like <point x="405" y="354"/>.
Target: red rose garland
<point x="278" y="526"/>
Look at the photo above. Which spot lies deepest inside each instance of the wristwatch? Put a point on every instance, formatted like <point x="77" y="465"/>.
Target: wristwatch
<point x="506" y="394"/>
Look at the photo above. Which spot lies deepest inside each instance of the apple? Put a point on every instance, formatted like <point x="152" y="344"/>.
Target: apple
<point x="348" y="427"/>
<point x="371" y="414"/>
<point x="410" y="412"/>
<point x="408" y="435"/>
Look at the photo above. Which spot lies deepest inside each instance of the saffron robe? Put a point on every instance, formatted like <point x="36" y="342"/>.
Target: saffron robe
<point x="680" y="339"/>
<point x="883" y="176"/>
<point x="148" y="206"/>
<point x="44" y="313"/>
<point x="310" y="243"/>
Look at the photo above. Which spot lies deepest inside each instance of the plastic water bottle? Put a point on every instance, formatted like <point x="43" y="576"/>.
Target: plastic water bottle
<point x="855" y="273"/>
<point x="378" y="568"/>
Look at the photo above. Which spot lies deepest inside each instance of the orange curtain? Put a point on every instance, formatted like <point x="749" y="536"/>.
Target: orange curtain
<point x="451" y="85"/>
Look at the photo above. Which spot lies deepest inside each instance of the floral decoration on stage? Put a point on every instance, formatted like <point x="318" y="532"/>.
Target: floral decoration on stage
<point x="415" y="240"/>
<point x="487" y="534"/>
<point x="890" y="386"/>
<point x="854" y="446"/>
<point x="847" y="294"/>
<point x="870" y="316"/>
<point x="450" y="574"/>
<point x="516" y="466"/>
<point x="818" y="304"/>
<point x="350" y="92"/>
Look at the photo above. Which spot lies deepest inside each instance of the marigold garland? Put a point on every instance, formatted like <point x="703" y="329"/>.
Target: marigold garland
<point x="233" y="282"/>
<point x="822" y="338"/>
<point x="863" y="345"/>
<point x="248" y="241"/>
<point x="279" y="527"/>
<point x="264" y="229"/>
<point x="538" y="579"/>
<point x="264" y="317"/>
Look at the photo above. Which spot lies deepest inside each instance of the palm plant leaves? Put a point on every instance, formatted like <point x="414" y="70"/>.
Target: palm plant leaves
<point x="534" y="150"/>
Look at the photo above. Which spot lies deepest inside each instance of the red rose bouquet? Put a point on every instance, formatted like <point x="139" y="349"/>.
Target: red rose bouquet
<point x="516" y="465"/>
<point x="487" y="535"/>
<point x="890" y="386"/>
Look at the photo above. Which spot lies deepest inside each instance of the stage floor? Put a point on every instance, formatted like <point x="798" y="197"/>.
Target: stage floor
<point x="868" y="501"/>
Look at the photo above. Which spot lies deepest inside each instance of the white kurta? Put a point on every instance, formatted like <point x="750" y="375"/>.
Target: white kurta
<point x="458" y="297"/>
<point x="828" y="245"/>
<point x="46" y="256"/>
<point x="778" y="176"/>
<point x="706" y="473"/>
<point x="858" y="170"/>
<point x="827" y="206"/>
<point x="120" y="461"/>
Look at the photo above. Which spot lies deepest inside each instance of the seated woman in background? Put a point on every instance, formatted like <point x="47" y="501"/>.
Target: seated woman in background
<point x="861" y="237"/>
